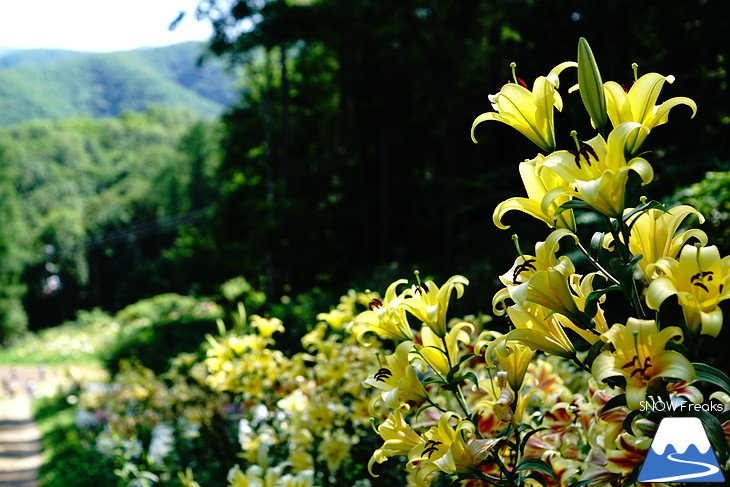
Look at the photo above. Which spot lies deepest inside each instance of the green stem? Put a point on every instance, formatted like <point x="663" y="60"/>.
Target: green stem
<point x="621" y="236"/>
<point x="580" y="364"/>
<point x="456" y="388"/>
<point x="636" y="301"/>
<point x="597" y="265"/>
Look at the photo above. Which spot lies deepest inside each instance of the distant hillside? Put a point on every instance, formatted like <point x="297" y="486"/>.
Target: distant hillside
<point x="56" y="84"/>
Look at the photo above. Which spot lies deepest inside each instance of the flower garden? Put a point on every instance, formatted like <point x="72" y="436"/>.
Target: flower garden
<point x="557" y="386"/>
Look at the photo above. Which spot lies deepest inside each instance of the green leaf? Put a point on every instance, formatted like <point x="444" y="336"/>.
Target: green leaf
<point x="537" y="465"/>
<point x="590" y="85"/>
<point x="422" y="409"/>
<point x="540" y="479"/>
<point x="707" y="373"/>
<point x="569" y="205"/>
<point x="465" y="357"/>
<point x="643" y="207"/>
<point x="470" y="376"/>
<point x="527" y="437"/>
<point x="591" y="304"/>
<point x="596" y="244"/>
<point x="716" y="434"/>
<point x="724" y="416"/>
<point x="593" y="352"/>
<point x="613" y="403"/>
<point x="630" y="419"/>
<point x="432" y="380"/>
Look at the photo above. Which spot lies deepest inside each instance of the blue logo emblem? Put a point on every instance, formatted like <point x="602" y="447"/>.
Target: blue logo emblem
<point x="681" y="452"/>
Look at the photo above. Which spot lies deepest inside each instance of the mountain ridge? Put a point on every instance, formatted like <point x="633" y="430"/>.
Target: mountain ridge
<point x="57" y="84"/>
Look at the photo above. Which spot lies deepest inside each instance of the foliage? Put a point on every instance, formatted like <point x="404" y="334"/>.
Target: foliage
<point x="13" y="253"/>
<point x="152" y="330"/>
<point x="349" y="145"/>
<point x="711" y="196"/>
<point x="80" y="463"/>
<point x="46" y="84"/>
<point x="104" y="198"/>
<point x="156" y="330"/>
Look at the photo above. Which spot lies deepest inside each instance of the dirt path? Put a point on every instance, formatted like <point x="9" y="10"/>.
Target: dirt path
<point x="20" y="441"/>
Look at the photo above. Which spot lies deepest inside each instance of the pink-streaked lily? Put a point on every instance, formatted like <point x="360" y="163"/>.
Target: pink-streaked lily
<point x="597" y="171"/>
<point x="639" y="105"/>
<point x="701" y="281"/>
<point x="640" y="356"/>
<point x="529" y="112"/>
<point x="538" y="181"/>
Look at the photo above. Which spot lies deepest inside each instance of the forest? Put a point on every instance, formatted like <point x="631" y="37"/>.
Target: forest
<point x="344" y="164"/>
<point x="346" y="161"/>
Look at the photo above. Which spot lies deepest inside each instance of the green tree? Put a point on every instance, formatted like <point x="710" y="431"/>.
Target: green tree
<point x="13" y="241"/>
<point x="350" y="151"/>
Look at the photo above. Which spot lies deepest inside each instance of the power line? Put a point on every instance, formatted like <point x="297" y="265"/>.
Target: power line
<point x="134" y="231"/>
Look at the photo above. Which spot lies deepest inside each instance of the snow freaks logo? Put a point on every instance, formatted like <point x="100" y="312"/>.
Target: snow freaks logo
<point x="680" y="452"/>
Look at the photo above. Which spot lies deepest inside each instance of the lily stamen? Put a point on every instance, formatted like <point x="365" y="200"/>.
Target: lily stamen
<point x="527" y="265"/>
<point x="517" y="80"/>
<point x="375" y="304"/>
<point x="420" y="288"/>
<point x="382" y="374"/>
<point x="431" y="447"/>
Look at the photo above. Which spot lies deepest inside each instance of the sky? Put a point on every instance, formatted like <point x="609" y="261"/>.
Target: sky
<point x="97" y="25"/>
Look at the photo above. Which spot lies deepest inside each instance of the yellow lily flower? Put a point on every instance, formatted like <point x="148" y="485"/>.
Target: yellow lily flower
<point x="545" y="258"/>
<point x="429" y="304"/>
<point x="538" y="181"/>
<point x="653" y="234"/>
<point x="539" y="330"/>
<point x="447" y="449"/>
<point x="385" y="318"/>
<point x="530" y="112"/>
<point x="549" y="288"/>
<point x="267" y="326"/>
<point x="639" y="355"/>
<point x="700" y="279"/>
<point x="442" y="353"/>
<point x="512" y="356"/>
<point x="526" y="266"/>
<point x="639" y="105"/>
<point x="582" y="286"/>
<point x="597" y="172"/>
<point x="399" y="438"/>
<point x="397" y="379"/>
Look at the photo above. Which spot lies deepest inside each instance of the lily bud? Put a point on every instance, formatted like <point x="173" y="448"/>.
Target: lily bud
<point x="503" y="407"/>
<point x="590" y="85"/>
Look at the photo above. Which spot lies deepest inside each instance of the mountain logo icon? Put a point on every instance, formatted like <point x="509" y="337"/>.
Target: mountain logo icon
<point x="681" y="452"/>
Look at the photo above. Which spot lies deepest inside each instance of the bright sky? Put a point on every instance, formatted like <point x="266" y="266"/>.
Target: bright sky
<point x="97" y="25"/>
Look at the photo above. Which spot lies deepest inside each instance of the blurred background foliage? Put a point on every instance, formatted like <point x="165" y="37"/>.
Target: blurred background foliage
<point x="346" y="160"/>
